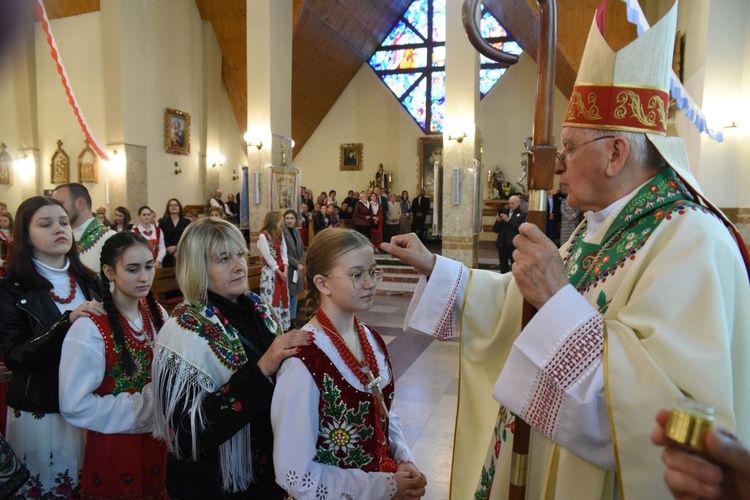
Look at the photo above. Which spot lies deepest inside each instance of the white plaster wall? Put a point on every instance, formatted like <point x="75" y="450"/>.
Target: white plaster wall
<point x="9" y="133"/>
<point x="77" y="41"/>
<point x="368" y="113"/>
<point x="174" y="65"/>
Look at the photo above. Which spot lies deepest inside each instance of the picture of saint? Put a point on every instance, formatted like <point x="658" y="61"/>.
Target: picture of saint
<point x="350" y="158"/>
<point x="178" y="136"/>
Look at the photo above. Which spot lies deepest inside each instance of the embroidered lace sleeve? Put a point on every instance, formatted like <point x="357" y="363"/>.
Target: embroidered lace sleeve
<point x="294" y="416"/>
<point x="554" y="377"/>
<point x="265" y="252"/>
<point x="435" y="308"/>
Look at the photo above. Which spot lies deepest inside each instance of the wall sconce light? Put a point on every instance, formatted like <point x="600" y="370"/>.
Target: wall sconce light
<point x="459" y="138"/>
<point x="177" y="168"/>
<point x="234" y="174"/>
<point x="218" y="160"/>
<point x="250" y="141"/>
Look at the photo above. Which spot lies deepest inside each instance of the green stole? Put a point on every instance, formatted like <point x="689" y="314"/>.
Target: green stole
<point x="93" y="232"/>
<point x="589" y="264"/>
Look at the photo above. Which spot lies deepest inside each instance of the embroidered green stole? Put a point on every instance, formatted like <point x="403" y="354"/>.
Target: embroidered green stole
<point x="589" y="264"/>
<point x="93" y="233"/>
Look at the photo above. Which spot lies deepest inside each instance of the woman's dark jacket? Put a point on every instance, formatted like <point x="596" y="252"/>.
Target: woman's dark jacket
<point x="31" y="336"/>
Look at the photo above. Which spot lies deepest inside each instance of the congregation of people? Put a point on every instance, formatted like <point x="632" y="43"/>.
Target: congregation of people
<point x="109" y="396"/>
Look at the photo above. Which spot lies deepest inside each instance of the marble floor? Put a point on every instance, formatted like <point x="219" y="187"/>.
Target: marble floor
<point x="425" y="397"/>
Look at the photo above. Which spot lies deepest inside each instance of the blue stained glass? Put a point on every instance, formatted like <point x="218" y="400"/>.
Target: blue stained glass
<point x="438" y="56"/>
<point x="400" y="83"/>
<point x="402" y="35"/>
<point x="396" y="62"/>
<point x="384" y="60"/>
<point x="488" y="78"/>
<point x="416" y="103"/>
<point x="438" y="20"/>
<point x="512" y="48"/>
<point x="416" y="14"/>
<point x="490" y="28"/>
<point x="437" y="105"/>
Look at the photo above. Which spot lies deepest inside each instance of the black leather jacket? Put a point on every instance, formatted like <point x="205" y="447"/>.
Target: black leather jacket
<point x="31" y="336"/>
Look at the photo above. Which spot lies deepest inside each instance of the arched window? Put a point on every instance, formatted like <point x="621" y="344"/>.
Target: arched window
<point x="411" y="60"/>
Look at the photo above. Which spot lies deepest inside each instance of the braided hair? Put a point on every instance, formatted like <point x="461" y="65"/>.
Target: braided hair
<point x="112" y="252"/>
<point x="322" y="255"/>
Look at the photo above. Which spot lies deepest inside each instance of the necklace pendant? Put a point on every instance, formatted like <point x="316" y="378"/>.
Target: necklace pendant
<point x="374" y="387"/>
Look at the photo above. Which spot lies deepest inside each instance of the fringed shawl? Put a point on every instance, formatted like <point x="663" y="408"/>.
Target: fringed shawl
<point x="195" y="353"/>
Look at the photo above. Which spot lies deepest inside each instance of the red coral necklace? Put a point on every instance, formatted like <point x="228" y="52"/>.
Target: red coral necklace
<point x="364" y="371"/>
<point x="69" y="298"/>
<point x="356" y="366"/>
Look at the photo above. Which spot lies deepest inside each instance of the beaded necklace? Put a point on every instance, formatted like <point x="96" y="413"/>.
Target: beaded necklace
<point x="144" y="336"/>
<point x="359" y="368"/>
<point x="69" y="298"/>
<point x="364" y="371"/>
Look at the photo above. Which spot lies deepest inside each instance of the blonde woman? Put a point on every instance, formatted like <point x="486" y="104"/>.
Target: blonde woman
<point x="213" y="369"/>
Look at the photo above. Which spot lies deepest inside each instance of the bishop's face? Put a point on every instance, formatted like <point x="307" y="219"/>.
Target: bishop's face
<point x="582" y="173"/>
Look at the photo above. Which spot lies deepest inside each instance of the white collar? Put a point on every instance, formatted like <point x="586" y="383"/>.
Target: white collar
<point x="595" y="220"/>
<point x="78" y="232"/>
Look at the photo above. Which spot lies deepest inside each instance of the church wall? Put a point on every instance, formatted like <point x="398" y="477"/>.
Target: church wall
<point x="368" y="113"/>
<point x="170" y="57"/>
<point x="82" y="59"/>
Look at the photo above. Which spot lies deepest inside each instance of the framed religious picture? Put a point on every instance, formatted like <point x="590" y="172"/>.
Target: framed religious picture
<point x="177" y="132"/>
<point x="284" y="188"/>
<point x="429" y="151"/>
<point x="350" y="157"/>
<point x="60" y="165"/>
<point x="6" y="166"/>
<point x="88" y="165"/>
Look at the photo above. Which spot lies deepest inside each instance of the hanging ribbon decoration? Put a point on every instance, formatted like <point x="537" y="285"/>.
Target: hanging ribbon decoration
<point x="684" y="101"/>
<point x="42" y="13"/>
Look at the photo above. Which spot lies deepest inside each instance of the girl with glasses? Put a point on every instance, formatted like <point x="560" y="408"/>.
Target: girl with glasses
<point x="334" y="431"/>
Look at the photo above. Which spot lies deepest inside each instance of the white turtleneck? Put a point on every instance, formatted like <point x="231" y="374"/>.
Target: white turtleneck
<point x="60" y="280"/>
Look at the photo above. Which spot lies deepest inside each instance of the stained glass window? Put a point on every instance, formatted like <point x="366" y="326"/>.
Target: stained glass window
<point x="411" y="60"/>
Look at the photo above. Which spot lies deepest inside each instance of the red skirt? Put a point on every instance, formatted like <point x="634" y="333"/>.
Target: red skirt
<point x="124" y="466"/>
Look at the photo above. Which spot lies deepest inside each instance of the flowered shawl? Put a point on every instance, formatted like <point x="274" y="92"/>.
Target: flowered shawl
<point x="195" y="353"/>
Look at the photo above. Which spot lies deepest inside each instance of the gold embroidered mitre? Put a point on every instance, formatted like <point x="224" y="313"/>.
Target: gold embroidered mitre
<point x="625" y="90"/>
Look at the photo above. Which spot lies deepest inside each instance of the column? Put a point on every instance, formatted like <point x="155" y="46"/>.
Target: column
<point x="461" y="140"/>
<point x="269" y="95"/>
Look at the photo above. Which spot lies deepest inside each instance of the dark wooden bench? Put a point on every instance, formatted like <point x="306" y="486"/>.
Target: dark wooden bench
<point x="165" y="288"/>
<point x="254" y="265"/>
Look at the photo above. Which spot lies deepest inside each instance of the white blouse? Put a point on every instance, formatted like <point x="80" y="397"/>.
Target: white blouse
<point x="294" y="416"/>
<point x="82" y="367"/>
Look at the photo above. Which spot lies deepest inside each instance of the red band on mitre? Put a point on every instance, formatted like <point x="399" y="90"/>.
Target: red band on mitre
<point x="633" y="109"/>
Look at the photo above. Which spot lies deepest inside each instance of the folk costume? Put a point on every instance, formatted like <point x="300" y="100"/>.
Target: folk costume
<point x="213" y="402"/>
<point x="90" y="238"/>
<point x="652" y="313"/>
<point x="6" y="248"/>
<point x="329" y="438"/>
<point x="273" y="288"/>
<point x="34" y="324"/>
<point x="376" y="232"/>
<point x="122" y="459"/>
<point x="155" y="238"/>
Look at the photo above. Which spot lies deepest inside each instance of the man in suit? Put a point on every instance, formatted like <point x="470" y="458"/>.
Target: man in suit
<point x="420" y="208"/>
<point x="382" y="199"/>
<point x="506" y="226"/>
